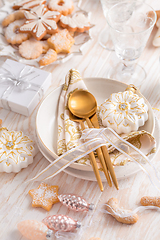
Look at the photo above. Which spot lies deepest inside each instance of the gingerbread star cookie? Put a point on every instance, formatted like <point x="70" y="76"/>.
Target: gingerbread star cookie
<point x="44" y="196"/>
<point x="27" y="4"/>
<point x="61" y="42"/>
<point x="40" y="21"/>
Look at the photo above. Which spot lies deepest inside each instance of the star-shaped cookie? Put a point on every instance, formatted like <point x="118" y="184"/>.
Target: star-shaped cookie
<point x="40" y="21"/>
<point x="44" y="196"/>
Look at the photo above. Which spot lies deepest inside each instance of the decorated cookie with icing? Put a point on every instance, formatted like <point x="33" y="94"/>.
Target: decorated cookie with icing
<point x="31" y="49"/>
<point x="78" y="22"/>
<point x="45" y="46"/>
<point x="40" y="21"/>
<point x="16" y="151"/>
<point x="124" y="112"/>
<point x="120" y="214"/>
<point x="49" y="57"/>
<point x="150" y="201"/>
<point x="61" y="42"/>
<point x="44" y="196"/>
<point x="12" y="33"/>
<point x="17" y="15"/>
<point x="65" y="7"/>
<point x="28" y="4"/>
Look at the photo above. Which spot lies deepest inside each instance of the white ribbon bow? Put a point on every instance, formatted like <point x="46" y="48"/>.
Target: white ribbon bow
<point x="95" y="138"/>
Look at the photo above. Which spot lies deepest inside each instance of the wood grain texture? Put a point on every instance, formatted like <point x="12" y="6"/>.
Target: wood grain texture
<point x="15" y="202"/>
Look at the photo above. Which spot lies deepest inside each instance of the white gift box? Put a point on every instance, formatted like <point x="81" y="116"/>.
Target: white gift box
<point x="22" y="86"/>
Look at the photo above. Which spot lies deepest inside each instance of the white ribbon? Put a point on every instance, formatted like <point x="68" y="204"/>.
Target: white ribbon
<point x="95" y="138"/>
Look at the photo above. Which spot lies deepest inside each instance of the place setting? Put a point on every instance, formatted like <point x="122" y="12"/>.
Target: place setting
<point x="79" y="146"/>
<point x="65" y="126"/>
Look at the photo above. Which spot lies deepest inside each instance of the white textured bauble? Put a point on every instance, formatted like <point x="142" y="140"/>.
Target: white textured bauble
<point x="124" y="112"/>
<point x="16" y="151"/>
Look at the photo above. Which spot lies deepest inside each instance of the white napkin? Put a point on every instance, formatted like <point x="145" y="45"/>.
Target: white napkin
<point x="68" y="131"/>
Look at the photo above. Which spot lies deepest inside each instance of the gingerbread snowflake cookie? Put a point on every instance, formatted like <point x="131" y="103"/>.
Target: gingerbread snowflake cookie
<point x="40" y="21"/>
<point x="124" y="112"/>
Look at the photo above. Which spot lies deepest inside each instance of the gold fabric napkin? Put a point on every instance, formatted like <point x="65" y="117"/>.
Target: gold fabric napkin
<point x="69" y="132"/>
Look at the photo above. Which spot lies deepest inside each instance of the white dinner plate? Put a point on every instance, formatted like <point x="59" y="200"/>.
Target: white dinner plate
<point x="46" y="119"/>
<point x="121" y="172"/>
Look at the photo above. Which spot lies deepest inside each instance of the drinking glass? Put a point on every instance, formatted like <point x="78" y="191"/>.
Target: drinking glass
<point x="104" y="38"/>
<point x="131" y="23"/>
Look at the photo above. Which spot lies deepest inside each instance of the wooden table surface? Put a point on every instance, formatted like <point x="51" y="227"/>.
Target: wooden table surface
<point x="15" y="202"/>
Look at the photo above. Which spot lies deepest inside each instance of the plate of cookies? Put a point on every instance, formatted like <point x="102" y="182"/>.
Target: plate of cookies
<point x="43" y="32"/>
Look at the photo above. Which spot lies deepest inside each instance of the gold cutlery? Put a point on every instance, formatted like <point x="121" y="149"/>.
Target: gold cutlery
<point x="101" y="158"/>
<point x="95" y="123"/>
<point x="84" y="105"/>
<point x="98" y="150"/>
<point x="91" y="155"/>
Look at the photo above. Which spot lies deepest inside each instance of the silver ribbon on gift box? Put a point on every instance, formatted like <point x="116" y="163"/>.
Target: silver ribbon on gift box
<point x="21" y="81"/>
<point x="94" y="138"/>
